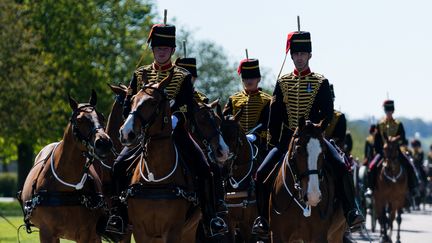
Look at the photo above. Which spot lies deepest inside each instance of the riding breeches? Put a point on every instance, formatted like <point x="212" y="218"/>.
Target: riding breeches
<point x="273" y="157"/>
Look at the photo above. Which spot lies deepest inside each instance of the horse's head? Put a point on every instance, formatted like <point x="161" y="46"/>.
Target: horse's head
<point x="205" y="127"/>
<point x="391" y="149"/>
<point x="88" y="127"/>
<point x="149" y="104"/>
<point x="234" y="136"/>
<point x="306" y="157"/>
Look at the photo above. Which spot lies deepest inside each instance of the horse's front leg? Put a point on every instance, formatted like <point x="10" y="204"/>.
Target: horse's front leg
<point x="399" y="221"/>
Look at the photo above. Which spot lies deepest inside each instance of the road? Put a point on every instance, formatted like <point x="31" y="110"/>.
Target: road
<point x="416" y="227"/>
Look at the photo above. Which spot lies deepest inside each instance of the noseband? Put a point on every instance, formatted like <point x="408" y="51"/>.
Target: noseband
<point x="146" y="124"/>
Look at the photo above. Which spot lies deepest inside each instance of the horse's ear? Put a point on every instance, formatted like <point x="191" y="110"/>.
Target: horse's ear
<point x="238" y="115"/>
<point x="118" y="89"/>
<point x="73" y="103"/>
<point x="214" y="103"/>
<point x="93" y="98"/>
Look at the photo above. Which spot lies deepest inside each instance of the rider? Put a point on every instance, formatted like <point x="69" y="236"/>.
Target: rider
<point x="387" y="127"/>
<point x="300" y="93"/>
<point x="253" y="104"/>
<point x="369" y="150"/>
<point x="337" y="127"/>
<point x="189" y="63"/>
<point x="180" y="92"/>
<point x="418" y="158"/>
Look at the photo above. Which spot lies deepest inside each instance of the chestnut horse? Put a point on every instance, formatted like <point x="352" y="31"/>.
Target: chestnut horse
<point x="239" y="171"/>
<point x="391" y="188"/>
<point x="302" y="207"/>
<point x="62" y="194"/>
<point x="160" y="194"/>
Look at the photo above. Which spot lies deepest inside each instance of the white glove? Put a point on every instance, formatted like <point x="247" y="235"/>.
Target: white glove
<point x="251" y="137"/>
<point x="174" y="121"/>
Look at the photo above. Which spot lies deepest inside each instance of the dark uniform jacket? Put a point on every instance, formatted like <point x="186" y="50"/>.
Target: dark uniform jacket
<point x="336" y="129"/>
<point x="179" y="90"/>
<point x="390" y="128"/>
<point x="307" y="96"/>
<point x="369" y="150"/>
<point x="255" y="110"/>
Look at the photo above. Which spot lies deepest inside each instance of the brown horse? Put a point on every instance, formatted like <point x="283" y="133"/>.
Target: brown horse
<point x="115" y="120"/>
<point x="160" y="194"/>
<point x="391" y="189"/>
<point x="62" y="193"/>
<point x="302" y="207"/>
<point x="239" y="170"/>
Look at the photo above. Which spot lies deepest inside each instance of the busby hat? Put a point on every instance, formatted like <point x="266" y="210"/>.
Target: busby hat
<point x="189" y="64"/>
<point x="299" y="41"/>
<point x="249" y="68"/>
<point x="415" y="143"/>
<point x="388" y="105"/>
<point x="162" y="35"/>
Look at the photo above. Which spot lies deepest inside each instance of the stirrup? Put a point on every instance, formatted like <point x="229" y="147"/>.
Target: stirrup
<point x="224" y="229"/>
<point x="355" y="220"/>
<point x="113" y="227"/>
<point x="260" y="228"/>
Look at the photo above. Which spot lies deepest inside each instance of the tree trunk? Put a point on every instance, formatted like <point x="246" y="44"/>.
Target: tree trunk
<point x="25" y="162"/>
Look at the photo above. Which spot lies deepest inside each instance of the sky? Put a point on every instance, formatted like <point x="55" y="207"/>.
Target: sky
<point x="369" y="49"/>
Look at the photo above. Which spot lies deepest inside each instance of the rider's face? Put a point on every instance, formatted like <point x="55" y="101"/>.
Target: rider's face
<point x="162" y="54"/>
<point x="250" y="84"/>
<point x="301" y="60"/>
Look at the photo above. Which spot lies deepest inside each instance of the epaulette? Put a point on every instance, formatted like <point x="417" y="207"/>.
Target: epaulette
<point x="287" y="76"/>
<point x="237" y="94"/>
<point x="337" y="113"/>
<point x="318" y="76"/>
<point x="265" y="95"/>
<point x="181" y="70"/>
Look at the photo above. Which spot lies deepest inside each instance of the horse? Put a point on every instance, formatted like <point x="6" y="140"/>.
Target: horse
<point x="160" y="194"/>
<point x="391" y="189"/>
<point x="62" y="194"/>
<point x="302" y="207"/>
<point x="239" y="171"/>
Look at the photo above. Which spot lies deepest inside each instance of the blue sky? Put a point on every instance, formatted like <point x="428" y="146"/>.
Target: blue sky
<point x="367" y="48"/>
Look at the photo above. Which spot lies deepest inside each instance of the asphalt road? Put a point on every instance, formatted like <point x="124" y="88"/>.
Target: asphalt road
<point x="416" y="227"/>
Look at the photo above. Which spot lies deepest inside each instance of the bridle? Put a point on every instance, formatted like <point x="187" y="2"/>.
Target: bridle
<point x="201" y="137"/>
<point x="89" y="154"/>
<point x="233" y="156"/>
<point x="148" y="123"/>
<point x="289" y="162"/>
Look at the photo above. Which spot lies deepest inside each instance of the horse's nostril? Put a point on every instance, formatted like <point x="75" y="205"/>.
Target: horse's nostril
<point x="131" y="136"/>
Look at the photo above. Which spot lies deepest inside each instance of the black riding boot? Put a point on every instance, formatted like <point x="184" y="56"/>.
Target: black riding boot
<point x="221" y="208"/>
<point x="347" y="195"/>
<point x="214" y="224"/>
<point x="413" y="181"/>
<point x="261" y="227"/>
<point x="118" y="214"/>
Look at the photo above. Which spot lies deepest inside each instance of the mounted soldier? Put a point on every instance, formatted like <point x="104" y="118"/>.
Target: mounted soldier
<point x="390" y="127"/>
<point x="252" y="103"/>
<point x="301" y="94"/>
<point x="180" y="91"/>
<point x="337" y="127"/>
